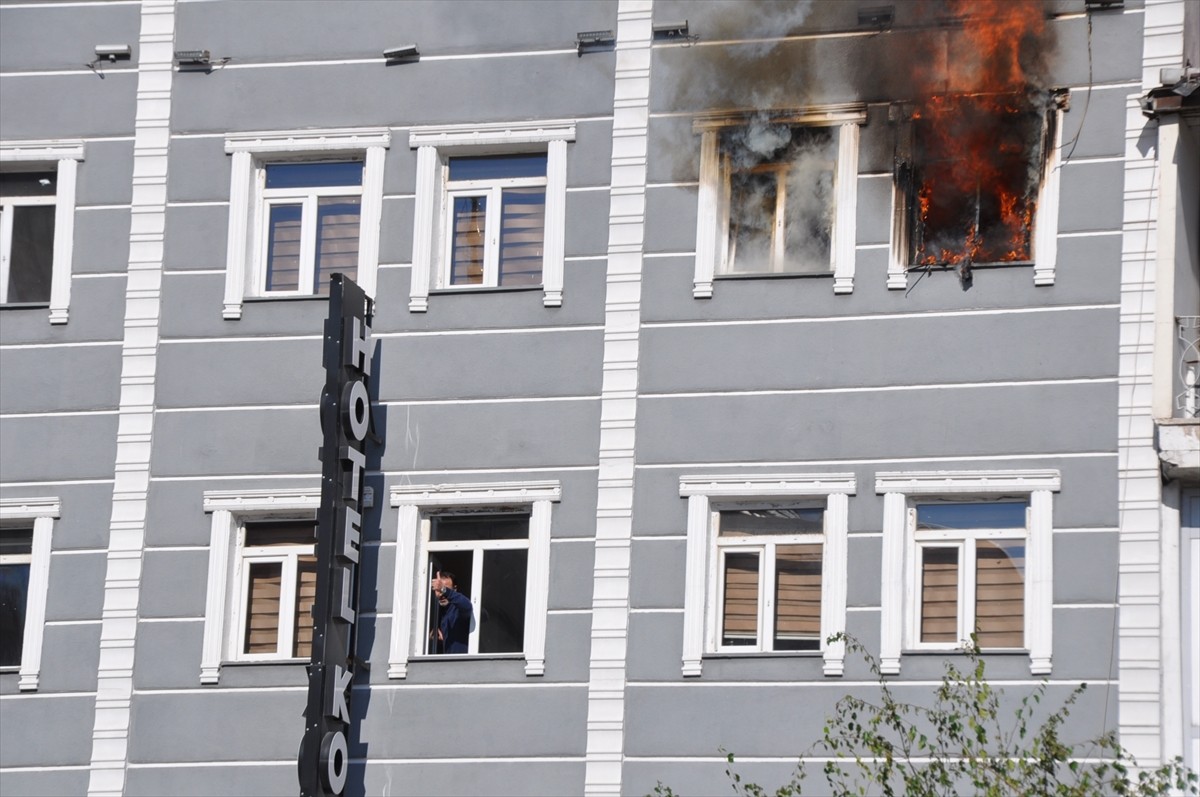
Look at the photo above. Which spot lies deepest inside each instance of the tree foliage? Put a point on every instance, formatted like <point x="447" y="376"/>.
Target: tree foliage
<point x="965" y="742"/>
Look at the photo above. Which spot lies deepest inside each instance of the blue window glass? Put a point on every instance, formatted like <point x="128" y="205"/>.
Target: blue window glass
<point x="314" y="175"/>
<point x="498" y="167"/>
<point x="981" y="515"/>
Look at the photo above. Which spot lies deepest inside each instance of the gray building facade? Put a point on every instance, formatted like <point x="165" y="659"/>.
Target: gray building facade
<point x="693" y="347"/>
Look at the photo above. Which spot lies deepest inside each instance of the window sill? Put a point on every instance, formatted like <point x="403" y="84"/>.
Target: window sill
<point x="263" y="662"/>
<point x="959" y="651"/>
<point x="286" y="298"/>
<point x="954" y="266"/>
<point x="447" y="291"/>
<point x="775" y="276"/>
<point x="24" y="306"/>
<point x="471" y="657"/>
<point x="766" y="654"/>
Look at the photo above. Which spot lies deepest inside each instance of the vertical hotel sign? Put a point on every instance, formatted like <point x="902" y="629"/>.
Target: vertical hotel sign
<point x="345" y="420"/>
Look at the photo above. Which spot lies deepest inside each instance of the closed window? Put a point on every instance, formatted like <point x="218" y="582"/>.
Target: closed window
<point x="770" y="563"/>
<point x="971" y="573"/>
<point x="310" y="225"/>
<point x="488" y="560"/>
<point x="277" y="578"/>
<point x="16" y="559"/>
<point x="27" y="209"/>
<point x="495" y="220"/>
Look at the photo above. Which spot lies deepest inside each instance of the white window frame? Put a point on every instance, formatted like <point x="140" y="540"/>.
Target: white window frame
<point x="493" y="190"/>
<point x="1045" y="220"/>
<point x="246" y="246"/>
<point x="62" y="156"/>
<point x="706" y="496"/>
<point x="307" y="197"/>
<point x="41" y="514"/>
<point x="224" y="601"/>
<point x="901" y="547"/>
<point x="712" y="224"/>
<point x="288" y="556"/>
<point x="412" y="578"/>
<point x="435" y="145"/>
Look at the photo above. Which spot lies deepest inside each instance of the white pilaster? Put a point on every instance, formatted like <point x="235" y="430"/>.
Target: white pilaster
<point x="64" y="240"/>
<point x="845" y="219"/>
<point x="424" y="233"/>
<point x="834" y="571"/>
<point x="371" y="217"/>
<point x="707" y="234"/>
<point x="699" y="531"/>
<point x="891" y="615"/>
<point x="135" y="425"/>
<point x="220" y="540"/>
<point x="618" y="403"/>
<point x="236" y="249"/>
<point x="1039" y="582"/>
<point x="555" y="246"/>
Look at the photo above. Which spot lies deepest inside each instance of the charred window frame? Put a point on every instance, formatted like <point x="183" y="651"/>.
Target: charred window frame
<point x="945" y="219"/>
<point x="37" y="224"/>
<point x="766" y="164"/>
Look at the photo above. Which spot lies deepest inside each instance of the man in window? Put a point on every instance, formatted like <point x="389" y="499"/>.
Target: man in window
<point x="455" y="615"/>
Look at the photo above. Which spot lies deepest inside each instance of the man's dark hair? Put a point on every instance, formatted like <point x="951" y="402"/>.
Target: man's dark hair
<point x="449" y="575"/>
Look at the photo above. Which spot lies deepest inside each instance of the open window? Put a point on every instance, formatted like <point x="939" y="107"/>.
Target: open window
<point x="26" y="526"/>
<point x="37" y="224"/>
<point x="490" y="208"/>
<point x="495" y="540"/>
<point x="302" y="205"/>
<point x="976" y="183"/>
<point x="778" y="195"/>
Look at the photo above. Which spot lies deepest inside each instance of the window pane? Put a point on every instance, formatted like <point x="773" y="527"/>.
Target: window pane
<point x="313" y="175"/>
<point x="522" y="230"/>
<point x="14" y="592"/>
<point x="746" y="522"/>
<point x="498" y="167"/>
<point x="16" y="542"/>
<point x="1000" y="593"/>
<point x="798" y="597"/>
<point x="939" y="595"/>
<point x="753" y="198"/>
<point x="306" y="596"/>
<point x="262" y="609"/>
<point x="288" y="532"/>
<point x="469" y="238"/>
<point x="28" y="183"/>
<point x="984" y="515"/>
<point x="337" y="239"/>
<point x="31" y="259"/>
<point x="502" y="602"/>
<point x="739" y="614"/>
<point x="453" y="528"/>
<point x="283" y="247"/>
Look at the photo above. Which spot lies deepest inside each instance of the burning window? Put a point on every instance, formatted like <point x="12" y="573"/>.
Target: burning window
<point x="778" y="199"/>
<point x="971" y="174"/>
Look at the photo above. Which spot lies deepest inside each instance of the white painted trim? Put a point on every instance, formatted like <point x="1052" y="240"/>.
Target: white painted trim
<point x="470" y="137"/>
<point x="250" y="152"/>
<point x="230" y="510"/>
<point x="845" y="224"/>
<point x="555" y="234"/>
<point x="428" y="200"/>
<point x="64" y="155"/>
<point x="413" y="501"/>
<point x="900" y="552"/>
<point x="113" y="718"/>
<point x="708" y="225"/>
<point x="1045" y="223"/>
<point x="308" y="141"/>
<point x="948" y="482"/>
<point x="701" y="577"/>
<point x="16" y="509"/>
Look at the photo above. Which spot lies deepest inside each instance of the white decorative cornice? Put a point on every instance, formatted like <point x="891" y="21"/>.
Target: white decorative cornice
<point x="488" y="494"/>
<point x="778" y="485"/>
<point x="967" y="481"/>
<point x="45" y="151"/>
<point x="26" y="508"/>
<point x="346" y="138"/>
<point x="244" y="501"/>
<point x="835" y="114"/>
<point x="492" y="135"/>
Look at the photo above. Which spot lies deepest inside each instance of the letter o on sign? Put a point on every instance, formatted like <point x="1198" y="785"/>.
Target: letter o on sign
<point x="334" y="762"/>
<point x="356" y="408"/>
